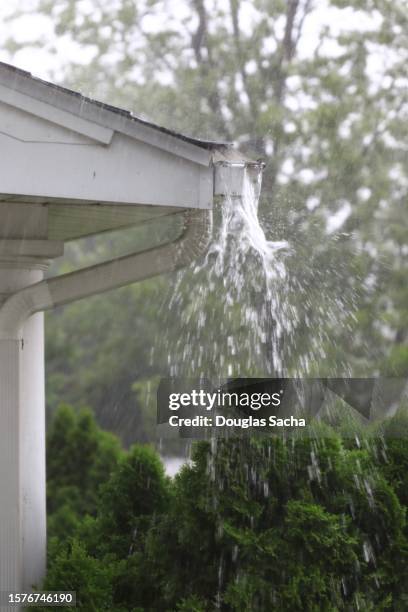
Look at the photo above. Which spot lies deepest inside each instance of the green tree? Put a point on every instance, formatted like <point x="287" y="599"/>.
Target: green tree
<point x="284" y="525"/>
<point x="251" y="524"/>
<point x="102" y="557"/>
<point x="80" y="457"/>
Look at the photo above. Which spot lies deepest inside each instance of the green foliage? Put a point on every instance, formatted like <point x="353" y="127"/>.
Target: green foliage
<point x="80" y="457"/>
<point x="298" y="524"/>
<point x="393" y="454"/>
<point x="75" y="570"/>
<point x="135" y="492"/>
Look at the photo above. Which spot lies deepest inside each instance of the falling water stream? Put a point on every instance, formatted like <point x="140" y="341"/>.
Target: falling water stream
<point x="241" y="239"/>
<point x="242" y="311"/>
<point x="234" y="318"/>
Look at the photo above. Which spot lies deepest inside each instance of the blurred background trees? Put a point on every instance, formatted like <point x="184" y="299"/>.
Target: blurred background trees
<point x="319" y="90"/>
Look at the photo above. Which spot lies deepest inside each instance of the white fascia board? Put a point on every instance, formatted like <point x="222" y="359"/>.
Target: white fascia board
<point x="55" y="115"/>
<point x="86" y="112"/>
<point x="166" y="142"/>
<point x="127" y="171"/>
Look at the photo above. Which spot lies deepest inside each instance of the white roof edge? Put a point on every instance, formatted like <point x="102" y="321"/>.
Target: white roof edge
<point x="36" y="107"/>
<point x="111" y="118"/>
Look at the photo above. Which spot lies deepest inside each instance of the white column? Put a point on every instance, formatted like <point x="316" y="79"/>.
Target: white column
<point x="32" y="440"/>
<point x="22" y="441"/>
<point x="10" y="481"/>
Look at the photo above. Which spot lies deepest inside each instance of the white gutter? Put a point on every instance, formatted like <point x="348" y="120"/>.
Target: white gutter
<point x="112" y="274"/>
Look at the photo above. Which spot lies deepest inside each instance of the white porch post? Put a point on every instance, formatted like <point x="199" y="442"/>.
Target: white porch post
<point x="22" y="440"/>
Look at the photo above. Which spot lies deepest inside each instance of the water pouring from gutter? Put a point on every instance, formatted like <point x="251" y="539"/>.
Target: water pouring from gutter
<point x="256" y="306"/>
<point x="234" y="305"/>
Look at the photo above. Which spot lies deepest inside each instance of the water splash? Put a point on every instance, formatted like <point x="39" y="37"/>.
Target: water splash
<point x="256" y="307"/>
<point x="233" y="317"/>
